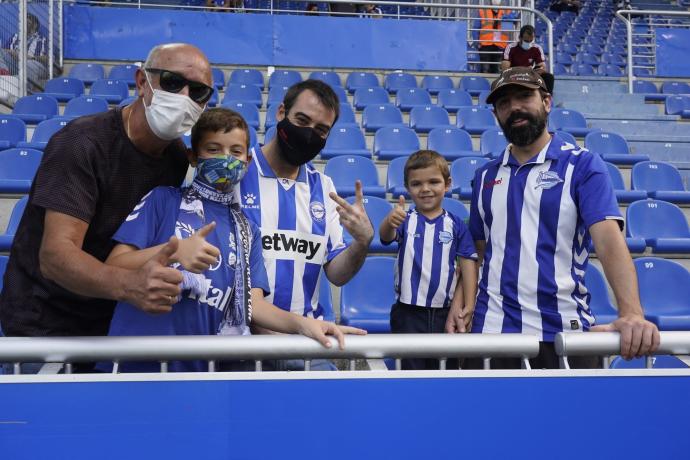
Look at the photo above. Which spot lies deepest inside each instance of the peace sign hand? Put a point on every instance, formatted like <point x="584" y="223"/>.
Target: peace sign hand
<point x="354" y="217"/>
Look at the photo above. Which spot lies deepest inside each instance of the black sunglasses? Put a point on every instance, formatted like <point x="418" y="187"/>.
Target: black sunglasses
<point x="173" y="82"/>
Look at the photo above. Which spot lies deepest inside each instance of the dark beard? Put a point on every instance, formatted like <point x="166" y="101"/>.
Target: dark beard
<point x="524" y="135"/>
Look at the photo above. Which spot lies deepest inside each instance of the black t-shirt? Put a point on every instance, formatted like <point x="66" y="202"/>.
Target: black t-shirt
<point x="92" y="171"/>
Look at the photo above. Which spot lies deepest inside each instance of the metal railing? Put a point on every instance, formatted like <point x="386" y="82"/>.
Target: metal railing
<point x="651" y="19"/>
<point x="607" y="344"/>
<point x="257" y="348"/>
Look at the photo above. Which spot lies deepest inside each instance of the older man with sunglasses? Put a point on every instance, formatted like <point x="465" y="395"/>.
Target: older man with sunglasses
<point x="94" y="171"/>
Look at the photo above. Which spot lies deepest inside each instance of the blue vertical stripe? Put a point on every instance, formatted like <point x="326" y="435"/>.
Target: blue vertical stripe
<point x="436" y="260"/>
<point x="482" y="295"/>
<point x="547" y="300"/>
<point x="512" y="319"/>
<point x="418" y="245"/>
<point x="285" y="269"/>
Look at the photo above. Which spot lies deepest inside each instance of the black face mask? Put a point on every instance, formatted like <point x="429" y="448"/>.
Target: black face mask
<point x="298" y="144"/>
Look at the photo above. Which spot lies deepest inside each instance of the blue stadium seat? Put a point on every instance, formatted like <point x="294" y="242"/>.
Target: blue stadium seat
<point x="660" y="180"/>
<point x="17" y="169"/>
<point x="493" y="142"/>
<point x="332" y="78"/>
<point x="12" y="131"/>
<point x="570" y="121"/>
<point x="3" y="267"/>
<point x="399" y="80"/>
<point x="276" y="95"/>
<point x="462" y="173"/>
<point x="662" y="225"/>
<point x="567" y="137"/>
<point x="395" y="141"/>
<point x="366" y="300"/>
<point x="63" y="89"/>
<point x="112" y="91"/>
<point x="409" y="98"/>
<point x="434" y="83"/>
<point x="345" y="140"/>
<point x="249" y="111"/>
<point x="218" y="77"/>
<point x="84" y="105"/>
<point x="357" y="80"/>
<point x="453" y="99"/>
<point x="124" y="72"/>
<point x="612" y="147"/>
<point x="377" y="209"/>
<point x="613" y="58"/>
<point x="271" y="116"/>
<point x="375" y="117"/>
<point x="43" y="132"/>
<point x="583" y="70"/>
<point x="476" y="120"/>
<point x="560" y="69"/>
<point x="664" y="292"/>
<point x="247" y="77"/>
<point x="678" y="105"/>
<point x="452" y="143"/>
<point x="600" y="302"/>
<point x="346" y="169"/>
<point x="347" y="115"/>
<point x="16" y="216"/>
<point x="564" y="58"/>
<point x="212" y="102"/>
<point x="587" y="58"/>
<point x="395" y="178"/>
<point x="675" y="87"/>
<point x="88" y="73"/>
<point x="623" y="195"/>
<point x="425" y="118"/>
<point x="456" y="207"/>
<point x="271" y="133"/>
<point x="35" y="108"/>
<point x="474" y="85"/>
<point x="611" y="70"/>
<point x="131" y="99"/>
<point x="341" y="93"/>
<point x="250" y="94"/>
<point x="481" y="99"/>
<point x="284" y="78"/>
<point x="369" y="96"/>
<point x="658" y="362"/>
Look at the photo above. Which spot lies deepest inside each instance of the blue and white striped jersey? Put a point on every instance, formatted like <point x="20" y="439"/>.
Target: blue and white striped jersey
<point x="300" y="231"/>
<point x="428" y="251"/>
<point x="535" y="219"/>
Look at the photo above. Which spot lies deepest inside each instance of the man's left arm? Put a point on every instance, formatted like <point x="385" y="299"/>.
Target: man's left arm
<point x="638" y="336"/>
<point x="354" y="218"/>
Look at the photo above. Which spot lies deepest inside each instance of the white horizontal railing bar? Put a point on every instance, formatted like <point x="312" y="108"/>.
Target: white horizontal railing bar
<point x="608" y="343"/>
<point x="165" y="348"/>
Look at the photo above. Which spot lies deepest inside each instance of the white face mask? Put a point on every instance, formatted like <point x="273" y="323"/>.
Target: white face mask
<point x="526" y="45"/>
<point x="171" y="115"/>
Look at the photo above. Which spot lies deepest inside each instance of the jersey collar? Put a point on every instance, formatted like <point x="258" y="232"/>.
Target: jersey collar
<point x="549" y="152"/>
<point x="265" y="169"/>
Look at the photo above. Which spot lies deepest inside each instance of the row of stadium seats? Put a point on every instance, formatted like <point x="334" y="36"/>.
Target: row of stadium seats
<point x="664" y="291"/>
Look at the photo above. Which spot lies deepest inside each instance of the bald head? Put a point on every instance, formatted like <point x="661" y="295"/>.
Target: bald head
<point x="181" y="57"/>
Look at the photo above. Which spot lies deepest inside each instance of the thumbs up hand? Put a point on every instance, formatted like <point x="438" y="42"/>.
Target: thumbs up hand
<point x="397" y="216"/>
<point x="195" y="254"/>
<point x="155" y="286"/>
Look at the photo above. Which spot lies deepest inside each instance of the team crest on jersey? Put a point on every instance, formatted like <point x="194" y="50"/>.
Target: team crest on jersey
<point x="317" y="210"/>
<point x="445" y="237"/>
<point x="548" y="179"/>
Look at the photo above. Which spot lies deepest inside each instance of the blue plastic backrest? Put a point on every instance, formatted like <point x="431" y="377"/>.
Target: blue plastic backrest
<point x="655" y="176"/>
<point x="396" y="138"/>
<point x="664" y="286"/>
<point x="16" y="216"/>
<point x="600" y="301"/>
<point x="45" y="129"/>
<point x="656" y="219"/>
<point x="12" y="129"/>
<point x="603" y="143"/>
<point x="370" y="292"/>
<point x="346" y="169"/>
<point x="462" y="170"/>
<point x="344" y="137"/>
<point x="441" y="139"/>
<point x="616" y="176"/>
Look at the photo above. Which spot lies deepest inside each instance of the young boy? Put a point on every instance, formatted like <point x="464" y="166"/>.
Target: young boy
<point x="216" y="248"/>
<point x="430" y="298"/>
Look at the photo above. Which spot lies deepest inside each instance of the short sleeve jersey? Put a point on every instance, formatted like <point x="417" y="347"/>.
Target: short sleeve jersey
<point x="153" y="222"/>
<point x="520" y="57"/>
<point x="535" y="220"/>
<point x="300" y="231"/>
<point x="427" y="255"/>
<point x="90" y="171"/>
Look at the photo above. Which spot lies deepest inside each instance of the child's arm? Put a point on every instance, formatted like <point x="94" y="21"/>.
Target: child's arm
<point x="455" y="322"/>
<point x="193" y="253"/>
<point x="267" y="315"/>
<point x="392" y="221"/>
<point x="464" y="297"/>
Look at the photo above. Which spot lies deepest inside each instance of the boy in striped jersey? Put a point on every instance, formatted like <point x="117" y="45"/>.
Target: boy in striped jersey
<point x="431" y="241"/>
<point x="534" y="212"/>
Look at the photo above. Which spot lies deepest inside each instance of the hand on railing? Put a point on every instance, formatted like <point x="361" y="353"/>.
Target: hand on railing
<point x="639" y="337"/>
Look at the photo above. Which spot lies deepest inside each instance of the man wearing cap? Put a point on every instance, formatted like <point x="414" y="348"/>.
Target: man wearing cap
<point x="534" y="211"/>
<point x="527" y="53"/>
